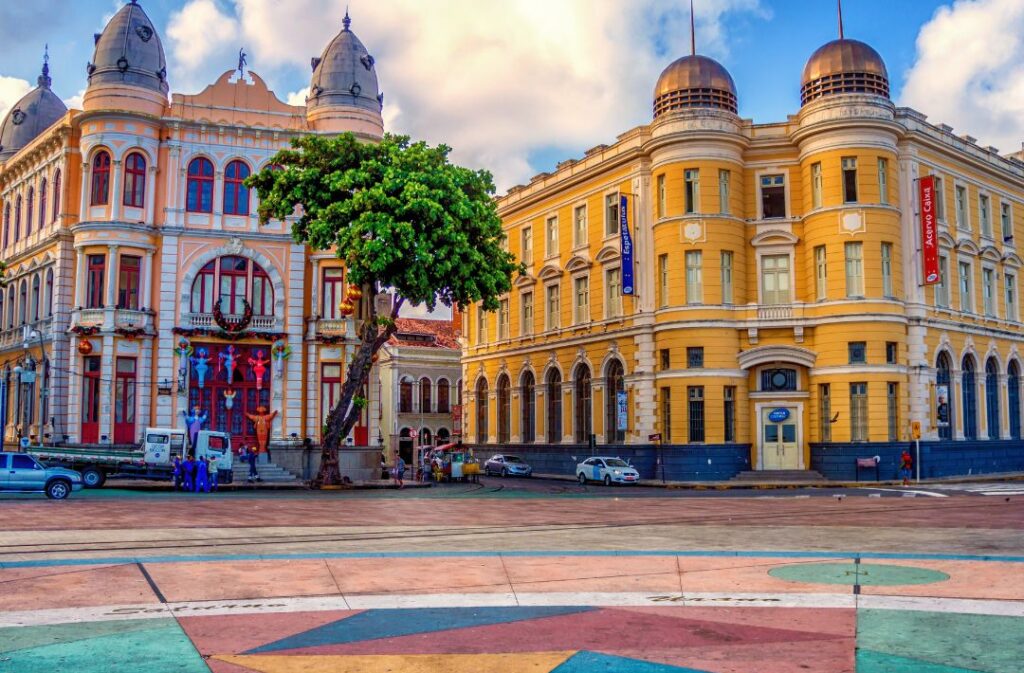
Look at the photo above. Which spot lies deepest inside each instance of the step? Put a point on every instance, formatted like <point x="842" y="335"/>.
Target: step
<point x="269" y="472"/>
<point x="779" y="475"/>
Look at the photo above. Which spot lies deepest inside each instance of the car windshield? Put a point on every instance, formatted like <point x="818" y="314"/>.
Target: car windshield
<point x="615" y="462"/>
<point x="513" y="459"/>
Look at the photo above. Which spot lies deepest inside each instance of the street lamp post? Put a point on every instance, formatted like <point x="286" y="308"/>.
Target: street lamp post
<point x="27" y="375"/>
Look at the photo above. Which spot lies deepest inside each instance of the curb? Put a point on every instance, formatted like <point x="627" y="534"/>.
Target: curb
<point x="768" y="485"/>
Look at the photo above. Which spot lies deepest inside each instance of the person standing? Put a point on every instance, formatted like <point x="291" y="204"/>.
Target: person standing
<point x="214" y="477"/>
<point x="188" y="471"/>
<point x="400" y="472"/>
<point x="254" y="475"/>
<point x="177" y="473"/>
<point x="202" y="472"/>
<point x="906" y="465"/>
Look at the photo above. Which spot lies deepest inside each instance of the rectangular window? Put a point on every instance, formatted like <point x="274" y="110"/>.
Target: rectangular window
<point x="527" y="245"/>
<point x="887" y="270"/>
<point x="611" y="214"/>
<point x="854" y="270"/>
<point x="481" y="325"/>
<point x="988" y="291"/>
<point x="729" y="413"/>
<point x="553" y="314"/>
<point x="612" y="293"/>
<point x="128" y="282"/>
<point x="662" y="281"/>
<point x="883" y="181"/>
<point x="858" y="352"/>
<point x="695" y="398"/>
<point x="526" y="315"/>
<point x="775" y="279"/>
<point x="665" y="355"/>
<point x="966" y="303"/>
<point x="892" y="403"/>
<point x="724" y="178"/>
<point x="984" y="215"/>
<point x="849" y="180"/>
<point x="666" y="415"/>
<point x="695" y="357"/>
<point x="858" y="412"/>
<point x="579" y="227"/>
<point x="1006" y="221"/>
<point x="330" y="389"/>
<point x="581" y="304"/>
<point x="502" y="319"/>
<point x="942" y="287"/>
<point x="820" y="274"/>
<point x="332" y="285"/>
<point x="97" y="271"/>
<point x="940" y="199"/>
<point x="816" y="185"/>
<point x="551" y="237"/>
<point x="825" y="411"/>
<point x="1011" y="296"/>
<point x="691" y="191"/>
<point x="694" y="290"/>
<point x="891" y="352"/>
<point x="662" y="196"/>
<point x="773" y="196"/>
<point x="726" y="277"/>
<point x="960" y="195"/>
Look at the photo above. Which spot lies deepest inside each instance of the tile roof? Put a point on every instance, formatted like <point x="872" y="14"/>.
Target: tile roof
<point x="423" y="333"/>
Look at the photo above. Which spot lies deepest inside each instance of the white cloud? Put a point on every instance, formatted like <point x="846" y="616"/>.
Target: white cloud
<point x="201" y="37"/>
<point x="441" y="312"/>
<point x="969" y="71"/>
<point x="11" y="91"/>
<point x="75" y="102"/>
<point x="297" y="97"/>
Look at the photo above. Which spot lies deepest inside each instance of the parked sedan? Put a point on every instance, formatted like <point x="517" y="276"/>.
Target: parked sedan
<point x="21" y="472"/>
<point x="507" y="466"/>
<point x="608" y="470"/>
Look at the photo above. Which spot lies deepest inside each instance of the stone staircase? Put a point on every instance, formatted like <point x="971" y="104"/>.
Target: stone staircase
<point x="779" y="477"/>
<point x="269" y="473"/>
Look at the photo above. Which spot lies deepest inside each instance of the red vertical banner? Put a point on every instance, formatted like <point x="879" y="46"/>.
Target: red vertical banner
<point x="929" y="231"/>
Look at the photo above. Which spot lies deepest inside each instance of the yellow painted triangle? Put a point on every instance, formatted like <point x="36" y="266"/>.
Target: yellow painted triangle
<point x="524" y="662"/>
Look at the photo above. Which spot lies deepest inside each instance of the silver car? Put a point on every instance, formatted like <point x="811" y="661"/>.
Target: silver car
<point x="21" y="472"/>
<point x="507" y="466"/>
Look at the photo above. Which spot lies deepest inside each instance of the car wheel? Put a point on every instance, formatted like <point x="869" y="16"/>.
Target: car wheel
<point x="607" y="480"/>
<point x="582" y="478"/>
<point x="58" y="489"/>
<point x="93" y="477"/>
<point x="504" y="472"/>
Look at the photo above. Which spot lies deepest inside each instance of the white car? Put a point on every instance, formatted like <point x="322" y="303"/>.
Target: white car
<point x="609" y="470"/>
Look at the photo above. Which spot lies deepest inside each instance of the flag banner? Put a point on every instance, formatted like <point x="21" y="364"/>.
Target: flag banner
<point x="626" y="247"/>
<point x="929" y="231"/>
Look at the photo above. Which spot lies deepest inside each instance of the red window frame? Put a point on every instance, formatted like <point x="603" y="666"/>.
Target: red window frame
<point x="199" y="188"/>
<point x="234" y="274"/>
<point x="56" y="194"/>
<point x="42" y="204"/>
<point x="204" y="288"/>
<point x="128" y="274"/>
<point x="264" y="304"/>
<point x="236" y="194"/>
<point x="134" y="181"/>
<point x="330" y="388"/>
<point x="100" y="194"/>
<point x="95" y="275"/>
<point x="332" y="282"/>
<point x="49" y="292"/>
<point x="29" y="210"/>
<point x="91" y="399"/>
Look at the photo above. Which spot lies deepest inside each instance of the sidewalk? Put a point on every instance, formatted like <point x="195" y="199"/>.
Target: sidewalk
<point x="242" y="486"/>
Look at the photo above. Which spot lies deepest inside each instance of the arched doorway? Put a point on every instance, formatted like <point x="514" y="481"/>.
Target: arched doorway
<point x="528" y="420"/>
<point x="443" y="436"/>
<point x="943" y="397"/>
<point x="504" y="409"/>
<point x="481" y="411"/>
<point x="405" y="442"/>
<point x="554" y="415"/>
<point x="615" y="387"/>
<point x="970" y="395"/>
<point x="1013" y="398"/>
<point x="583" y="419"/>
<point x="992" y="398"/>
<point x="426" y="437"/>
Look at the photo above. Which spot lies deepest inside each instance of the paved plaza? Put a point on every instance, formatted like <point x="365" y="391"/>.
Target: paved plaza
<point x="499" y="578"/>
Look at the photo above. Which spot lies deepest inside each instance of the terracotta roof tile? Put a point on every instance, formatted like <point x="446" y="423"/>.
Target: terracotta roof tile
<point x="423" y="333"/>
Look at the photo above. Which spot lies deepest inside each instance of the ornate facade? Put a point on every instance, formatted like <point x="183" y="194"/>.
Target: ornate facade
<point x="139" y="283"/>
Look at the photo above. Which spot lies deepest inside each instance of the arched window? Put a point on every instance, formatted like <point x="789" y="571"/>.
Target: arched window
<point x="11" y="312"/>
<point x="7" y="224"/>
<point x="443" y="436"/>
<point x="29" y="210"/>
<point x="583" y="421"/>
<point x="199" y="192"/>
<point x="425" y="437"/>
<point x="56" y="195"/>
<point x="425" y="395"/>
<point x="236" y="194"/>
<point x="100" y="179"/>
<point x="443" y="394"/>
<point x="203" y="288"/>
<point x="528" y="416"/>
<point x="615" y="383"/>
<point x="42" y="204"/>
<point x="1013" y="398"/>
<point x="504" y="409"/>
<point x="48" y="300"/>
<point x="405" y="396"/>
<point x="23" y="304"/>
<point x="481" y="411"/>
<point x="554" y="396"/>
<point x="969" y="390"/>
<point x="135" y="180"/>
<point x="17" y="219"/>
<point x="992" y="398"/>
<point x="262" y="292"/>
<point x="34" y="312"/>
<point x="227" y="280"/>
<point x="944" y="396"/>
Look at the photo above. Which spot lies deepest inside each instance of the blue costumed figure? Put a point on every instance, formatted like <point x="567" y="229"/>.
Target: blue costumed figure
<point x="177" y="473"/>
<point x="228" y="359"/>
<point x="194" y="423"/>
<point x="201" y="362"/>
<point x="188" y="468"/>
<point x="202" y="472"/>
<point x="214" y="479"/>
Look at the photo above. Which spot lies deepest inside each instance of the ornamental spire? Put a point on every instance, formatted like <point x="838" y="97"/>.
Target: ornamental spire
<point x="693" y="33"/>
<point x="44" y="77"/>
<point x="346" y="22"/>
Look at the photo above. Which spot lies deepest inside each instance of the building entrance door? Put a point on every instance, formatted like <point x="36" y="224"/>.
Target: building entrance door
<point x="779" y="445"/>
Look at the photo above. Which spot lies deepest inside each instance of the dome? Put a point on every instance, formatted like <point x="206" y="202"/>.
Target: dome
<point x="844" y="66"/>
<point x="37" y="111"/>
<point x="344" y="75"/>
<point x="128" y="52"/>
<point x="694" y="82"/>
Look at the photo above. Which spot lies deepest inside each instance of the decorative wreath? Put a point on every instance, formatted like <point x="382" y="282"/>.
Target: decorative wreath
<point x="232" y="328"/>
<point x="86" y="330"/>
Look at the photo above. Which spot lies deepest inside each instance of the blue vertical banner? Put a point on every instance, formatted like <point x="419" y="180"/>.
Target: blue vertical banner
<point x="626" y="247"/>
<point x="621" y="410"/>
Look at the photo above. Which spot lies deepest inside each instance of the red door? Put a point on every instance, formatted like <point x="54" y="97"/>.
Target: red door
<point x="124" y="401"/>
<point x="91" y="399"/>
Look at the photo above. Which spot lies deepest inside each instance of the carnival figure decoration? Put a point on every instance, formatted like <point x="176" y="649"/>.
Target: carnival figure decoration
<point x="259" y="368"/>
<point x="262" y="420"/>
<point x="280" y="351"/>
<point x="184" y="349"/>
<point x="195" y="423"/>
<point x="201" y="362"/>
<point x="229" y="398"/>
<point x="228" y="358"/>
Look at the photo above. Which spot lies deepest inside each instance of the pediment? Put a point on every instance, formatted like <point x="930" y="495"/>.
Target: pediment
<point x="762" y="355"/>
<point x="775" y="237"/>
<point x="578" y="263"/>
<point x="549" y="272"/>
<point x="608" y="253"/>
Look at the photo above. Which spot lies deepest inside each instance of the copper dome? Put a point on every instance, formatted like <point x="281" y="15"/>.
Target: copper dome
<point x="694" y="82"/>
<point x="844" y="66"/>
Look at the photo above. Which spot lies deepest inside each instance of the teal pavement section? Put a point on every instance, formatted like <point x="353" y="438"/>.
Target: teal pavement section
<point x="865" y="574"/>
<point x="135" y="646"/>
<point x="906" y="641"/>
<point x="594" y="662"/>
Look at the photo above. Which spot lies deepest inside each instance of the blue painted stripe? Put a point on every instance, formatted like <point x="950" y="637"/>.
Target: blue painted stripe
<point x="118" y="560"/>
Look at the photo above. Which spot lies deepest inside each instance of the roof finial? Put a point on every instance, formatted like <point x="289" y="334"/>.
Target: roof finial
<point x="346" y="21"/>
<point x="44" y="77"/>
<point x="242" y="62"/>
<point x="693" y="33"/>
<point x="840" y="19"/>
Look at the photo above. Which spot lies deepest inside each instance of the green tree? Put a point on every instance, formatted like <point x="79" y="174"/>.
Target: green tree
<point x="401" y="217"/>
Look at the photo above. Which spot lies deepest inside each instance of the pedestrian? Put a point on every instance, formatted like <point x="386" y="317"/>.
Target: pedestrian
<point x="177" y="473"/>
<point x="202" y="474"/>
<point x="214" y="477"/>
<point x="251" y="457"/>
<point x="188" y="469"/>
<point x="400" y="472"/>
<point x="906" y="464"/>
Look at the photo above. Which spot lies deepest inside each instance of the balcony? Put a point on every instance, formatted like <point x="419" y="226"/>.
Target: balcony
<point x="90" y="317"/>
<point x="775" y="312"/>
<point x="205" y="320"/>
<point x="124" y="317"/>
<point x="333" y="327"/>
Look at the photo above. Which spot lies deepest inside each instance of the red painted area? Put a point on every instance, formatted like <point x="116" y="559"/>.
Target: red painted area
<point x="224" y="634"/>
<point x="834" y="621"/>
<point x="40" y="588"/>
<point x="820" y="656"/>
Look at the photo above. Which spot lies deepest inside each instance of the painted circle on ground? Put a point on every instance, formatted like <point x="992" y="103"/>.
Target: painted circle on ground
<point x="865" y="574"/>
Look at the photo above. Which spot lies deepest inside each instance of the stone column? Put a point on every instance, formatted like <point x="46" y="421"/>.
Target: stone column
<point x="314" y="292"/>
<point x="80" y="280"/>
<point x="151" y="172"/>
<point x="289" y="316"/>
<point x="956" y="398"/>
<point x="145" y="283"/>
<point x="218" y="199"/>
<point x="117" y="198"/>
<point x="165" y="280"/>
<point x="112" y="262"/>
<point x="86" y="180"/>
<point x="107" y="389"/>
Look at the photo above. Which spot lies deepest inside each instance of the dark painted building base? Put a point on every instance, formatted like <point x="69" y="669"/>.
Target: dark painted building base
<point x="683" y="462"/>
<point x="938" y="459"/>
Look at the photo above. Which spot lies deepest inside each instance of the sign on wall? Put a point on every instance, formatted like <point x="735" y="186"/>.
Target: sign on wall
<point x="626" y="248"/>
<point x="929" y="231"/>
<point x="622" y="410"/>
<point x="778" y="415"/>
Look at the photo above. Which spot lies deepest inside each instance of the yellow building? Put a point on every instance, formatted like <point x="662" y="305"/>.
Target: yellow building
<point x="778" y="318"/>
